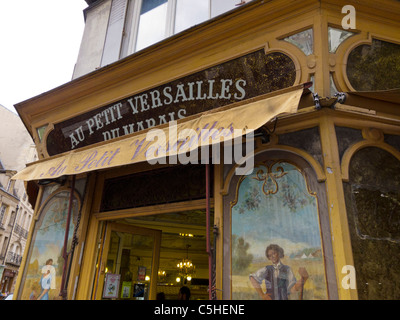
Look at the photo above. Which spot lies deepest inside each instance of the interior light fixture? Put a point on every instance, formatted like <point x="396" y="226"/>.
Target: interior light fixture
<point x="186" y="267"/>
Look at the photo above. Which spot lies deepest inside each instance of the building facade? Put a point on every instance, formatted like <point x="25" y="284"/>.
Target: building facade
<point x="16" y="149"/>
<point x="205" y="144"/>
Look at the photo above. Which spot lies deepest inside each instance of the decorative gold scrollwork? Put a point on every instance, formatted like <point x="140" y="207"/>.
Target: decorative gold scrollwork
<point x="270" y="176"/>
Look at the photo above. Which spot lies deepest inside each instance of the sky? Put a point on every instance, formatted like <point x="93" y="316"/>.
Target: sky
<point x="39" y="46"/>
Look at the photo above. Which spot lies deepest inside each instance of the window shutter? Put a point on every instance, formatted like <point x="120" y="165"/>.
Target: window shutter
<point x="112" y="45"/>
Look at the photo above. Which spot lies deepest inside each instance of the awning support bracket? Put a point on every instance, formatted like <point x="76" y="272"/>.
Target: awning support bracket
<point x="265" y="132"/>
<point x="316" y="101"/>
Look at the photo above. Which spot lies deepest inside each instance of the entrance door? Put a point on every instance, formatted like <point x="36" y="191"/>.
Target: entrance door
<point x="129" y="263"/>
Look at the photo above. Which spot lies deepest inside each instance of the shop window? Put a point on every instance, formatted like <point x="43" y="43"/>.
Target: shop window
<point x="393" y="140"/>
<point x="280" y="71"/>
<point x="373" y="208"/>
<point x="43" y="272"/>
<point x="304" y="40"/>
<point x="346" y="137"/>
<point x="274" y="208"/>
<point x="374" y="67"/>
<point x="306" y="139"/>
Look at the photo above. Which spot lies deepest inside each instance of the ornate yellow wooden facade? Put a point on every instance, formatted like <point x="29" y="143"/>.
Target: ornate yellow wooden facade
<point x="321" y="139"/>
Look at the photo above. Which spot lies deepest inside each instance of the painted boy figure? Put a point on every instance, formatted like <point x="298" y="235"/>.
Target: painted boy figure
<point x="279" y="278"/>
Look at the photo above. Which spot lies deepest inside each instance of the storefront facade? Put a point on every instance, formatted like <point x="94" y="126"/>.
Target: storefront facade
<point x="321" y="174"/>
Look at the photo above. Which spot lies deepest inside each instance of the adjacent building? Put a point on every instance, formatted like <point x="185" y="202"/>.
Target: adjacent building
<point x="204" y="142"/>
<point x="16" y="149"/>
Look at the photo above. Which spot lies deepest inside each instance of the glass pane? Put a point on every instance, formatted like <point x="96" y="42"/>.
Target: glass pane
<point x="280" y="71"/>
<point x="373" y="207"/>
<point x="303" y="40"/>
<point x="336" y="37"/>
<point x="334" y="90"/>
<point x="312" y="88"/>
<point x="273" y="206"/>
<point x="220" y="6"/>
<point x="190" y="13"/>
<point x="374" y="67"/>
<point x="128" y="267"/>
<point x="41" y="131"/>
<point x="152" y="23"/>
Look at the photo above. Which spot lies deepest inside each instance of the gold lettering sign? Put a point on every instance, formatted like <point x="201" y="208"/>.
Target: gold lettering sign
<point x="237" y="80"/>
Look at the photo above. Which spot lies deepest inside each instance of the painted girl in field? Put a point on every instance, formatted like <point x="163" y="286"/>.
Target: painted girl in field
<point x="48" y="280"/>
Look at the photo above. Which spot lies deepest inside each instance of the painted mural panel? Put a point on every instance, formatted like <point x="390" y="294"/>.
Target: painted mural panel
<point x="43" y="272"/>
<point x="276" y="244"/>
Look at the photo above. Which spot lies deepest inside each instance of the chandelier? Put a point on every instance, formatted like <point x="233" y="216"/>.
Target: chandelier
<point x="186" y="267"/>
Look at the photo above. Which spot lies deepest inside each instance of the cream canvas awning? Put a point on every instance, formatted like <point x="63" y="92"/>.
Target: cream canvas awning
<point x="202" y="129"/>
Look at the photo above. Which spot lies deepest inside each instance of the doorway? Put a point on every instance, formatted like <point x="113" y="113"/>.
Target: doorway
<point x="129" y="264"/>
<point x="143" y="254"/>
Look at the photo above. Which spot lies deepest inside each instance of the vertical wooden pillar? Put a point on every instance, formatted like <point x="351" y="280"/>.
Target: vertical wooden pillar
<point x="340" y="234"/>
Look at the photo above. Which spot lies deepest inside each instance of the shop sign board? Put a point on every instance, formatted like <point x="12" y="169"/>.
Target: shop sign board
<point x="236" y="80"/>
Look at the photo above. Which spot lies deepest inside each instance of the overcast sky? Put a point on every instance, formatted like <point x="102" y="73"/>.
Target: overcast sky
<point x="39" y="45"/>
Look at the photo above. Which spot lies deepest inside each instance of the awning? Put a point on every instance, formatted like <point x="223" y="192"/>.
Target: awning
<point x="170" y="140"/>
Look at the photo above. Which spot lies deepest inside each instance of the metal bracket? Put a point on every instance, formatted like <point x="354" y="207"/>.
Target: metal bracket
<point x="265" y="132"/>
<point x="341" y="97"/>
<point x="273" y="130"/>
<point x="215" y="230"/>
<point x="316" y="101"/>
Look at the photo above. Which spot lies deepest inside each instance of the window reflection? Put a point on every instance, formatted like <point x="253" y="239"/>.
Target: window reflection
<point x="373" y="207"/>
<point x="152" y="23"/>
<point x="220" y="6"/>
<point x="374" y="67"/>
<point x="303" y="40"/>
<point x="41" y="131"/>
<point x="336" y="37"/>
<point x="190" y="13"/>
<point x="159" y="20"/>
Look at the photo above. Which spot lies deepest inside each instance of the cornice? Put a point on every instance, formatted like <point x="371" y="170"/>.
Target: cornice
<point x="382" y="11"/>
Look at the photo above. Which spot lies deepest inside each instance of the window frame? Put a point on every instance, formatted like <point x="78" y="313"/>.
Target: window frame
<point x="132" y="22"/>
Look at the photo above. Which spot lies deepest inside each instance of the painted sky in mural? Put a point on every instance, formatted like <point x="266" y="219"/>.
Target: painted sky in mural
<point x="289" y="216"/>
